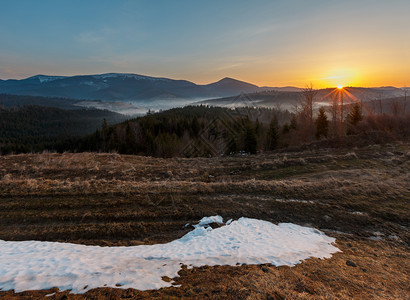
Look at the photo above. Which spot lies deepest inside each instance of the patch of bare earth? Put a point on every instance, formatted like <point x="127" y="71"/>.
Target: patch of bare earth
<point x="361" y="197"/>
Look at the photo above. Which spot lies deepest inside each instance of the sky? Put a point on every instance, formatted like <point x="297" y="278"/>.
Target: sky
<point x="268" y="43"/>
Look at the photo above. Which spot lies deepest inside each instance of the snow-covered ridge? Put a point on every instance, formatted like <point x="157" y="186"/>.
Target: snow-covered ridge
<point x="126" y="75"/>
<point x="45" y="78"/>
<point x="33" y="265"/>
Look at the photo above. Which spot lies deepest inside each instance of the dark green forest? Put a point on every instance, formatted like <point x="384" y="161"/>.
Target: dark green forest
<point x="37" y="128"/>
<point x="7" y="101"/>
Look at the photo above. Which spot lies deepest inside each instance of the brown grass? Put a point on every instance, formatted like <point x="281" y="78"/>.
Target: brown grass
<point x="357" y="196"/>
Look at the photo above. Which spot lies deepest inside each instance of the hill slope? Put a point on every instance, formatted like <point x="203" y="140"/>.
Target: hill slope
<point x="36" y="128"/>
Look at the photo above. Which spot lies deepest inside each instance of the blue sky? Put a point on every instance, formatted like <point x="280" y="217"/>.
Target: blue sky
<point x="265" y="42"/>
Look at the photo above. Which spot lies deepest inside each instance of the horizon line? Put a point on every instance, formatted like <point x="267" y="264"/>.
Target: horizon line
<point x="226" y="77"/>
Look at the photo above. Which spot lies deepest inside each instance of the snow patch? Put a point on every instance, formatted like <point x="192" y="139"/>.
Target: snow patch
<point x="208" y="220"/>
<point x="31" y="265"/>
<point x="44" y="78"/>
<point x="49" y="295"/>
<point x="359" y="213"/>
<point x="90" y="83"/>
<point x="127" y="75"/>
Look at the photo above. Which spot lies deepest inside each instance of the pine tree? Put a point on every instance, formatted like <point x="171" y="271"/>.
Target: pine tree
<point x="354" y="117"/>
<point x="257" y="126"/>
<point x="130" y="140"/>
<point x="104" y="132"/>
<point x="285" y="128"/>
<point x="322" y="124"/>
<point x="104" y="125"/>
<point x="293" y="123"/>
<point x="272" y="137"/>
<point x="231" y="145"/>
<point x="250" y="140"/>
<point x="195" y="127"/>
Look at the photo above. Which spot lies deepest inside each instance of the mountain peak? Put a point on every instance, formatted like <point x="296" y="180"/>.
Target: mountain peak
<point x="230" y="80"/>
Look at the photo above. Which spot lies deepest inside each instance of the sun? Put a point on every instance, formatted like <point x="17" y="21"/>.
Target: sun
<point x="340" y="86"/>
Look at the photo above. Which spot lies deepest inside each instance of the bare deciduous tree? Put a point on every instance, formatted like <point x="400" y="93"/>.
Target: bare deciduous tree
<point x="308" y="99"/>
<point x="395" y="108"/>
<point x="335" y="113"/>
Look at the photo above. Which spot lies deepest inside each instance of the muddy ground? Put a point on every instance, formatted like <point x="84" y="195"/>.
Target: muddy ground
<point x="359" y="196"/>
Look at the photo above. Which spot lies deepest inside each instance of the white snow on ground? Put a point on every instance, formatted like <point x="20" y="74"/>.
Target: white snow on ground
<point x="208" y="220"/>
<point x="31" y="265"/>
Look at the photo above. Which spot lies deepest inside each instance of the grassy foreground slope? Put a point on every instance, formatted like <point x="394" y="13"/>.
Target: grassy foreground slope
<point x="361" y="197"/>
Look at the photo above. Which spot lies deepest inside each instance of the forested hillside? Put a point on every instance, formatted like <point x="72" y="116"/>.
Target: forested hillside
<point x="7" y="100"/>
<point x="191" y="131"/>
<point x="37" y="128"/>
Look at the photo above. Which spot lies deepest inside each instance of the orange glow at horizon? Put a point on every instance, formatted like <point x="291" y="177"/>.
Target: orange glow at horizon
<point x="323" y="74"/>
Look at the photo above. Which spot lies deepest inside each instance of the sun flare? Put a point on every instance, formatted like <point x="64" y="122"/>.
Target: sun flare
<point x="340" y="86"/>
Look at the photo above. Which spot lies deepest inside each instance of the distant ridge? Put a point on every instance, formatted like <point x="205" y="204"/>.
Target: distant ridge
<point x="126" y="87"/>
<point x="141" y="88"/>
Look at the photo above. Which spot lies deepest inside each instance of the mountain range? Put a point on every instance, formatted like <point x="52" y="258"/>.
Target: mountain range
<point x="161" y="93"/>
<point x="127" y="87"/>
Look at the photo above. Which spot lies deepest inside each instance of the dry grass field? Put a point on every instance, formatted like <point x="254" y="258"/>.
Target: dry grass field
<point x="360" y="197"/>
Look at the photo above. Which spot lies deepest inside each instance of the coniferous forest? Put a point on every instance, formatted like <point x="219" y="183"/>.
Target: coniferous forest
<point x="193" y="130"/>
<point x="188" y="131"/>
<point x="38" y="128"/>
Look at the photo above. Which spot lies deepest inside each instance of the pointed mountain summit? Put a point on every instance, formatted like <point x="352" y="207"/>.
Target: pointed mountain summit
<point x="230" y="86"/>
